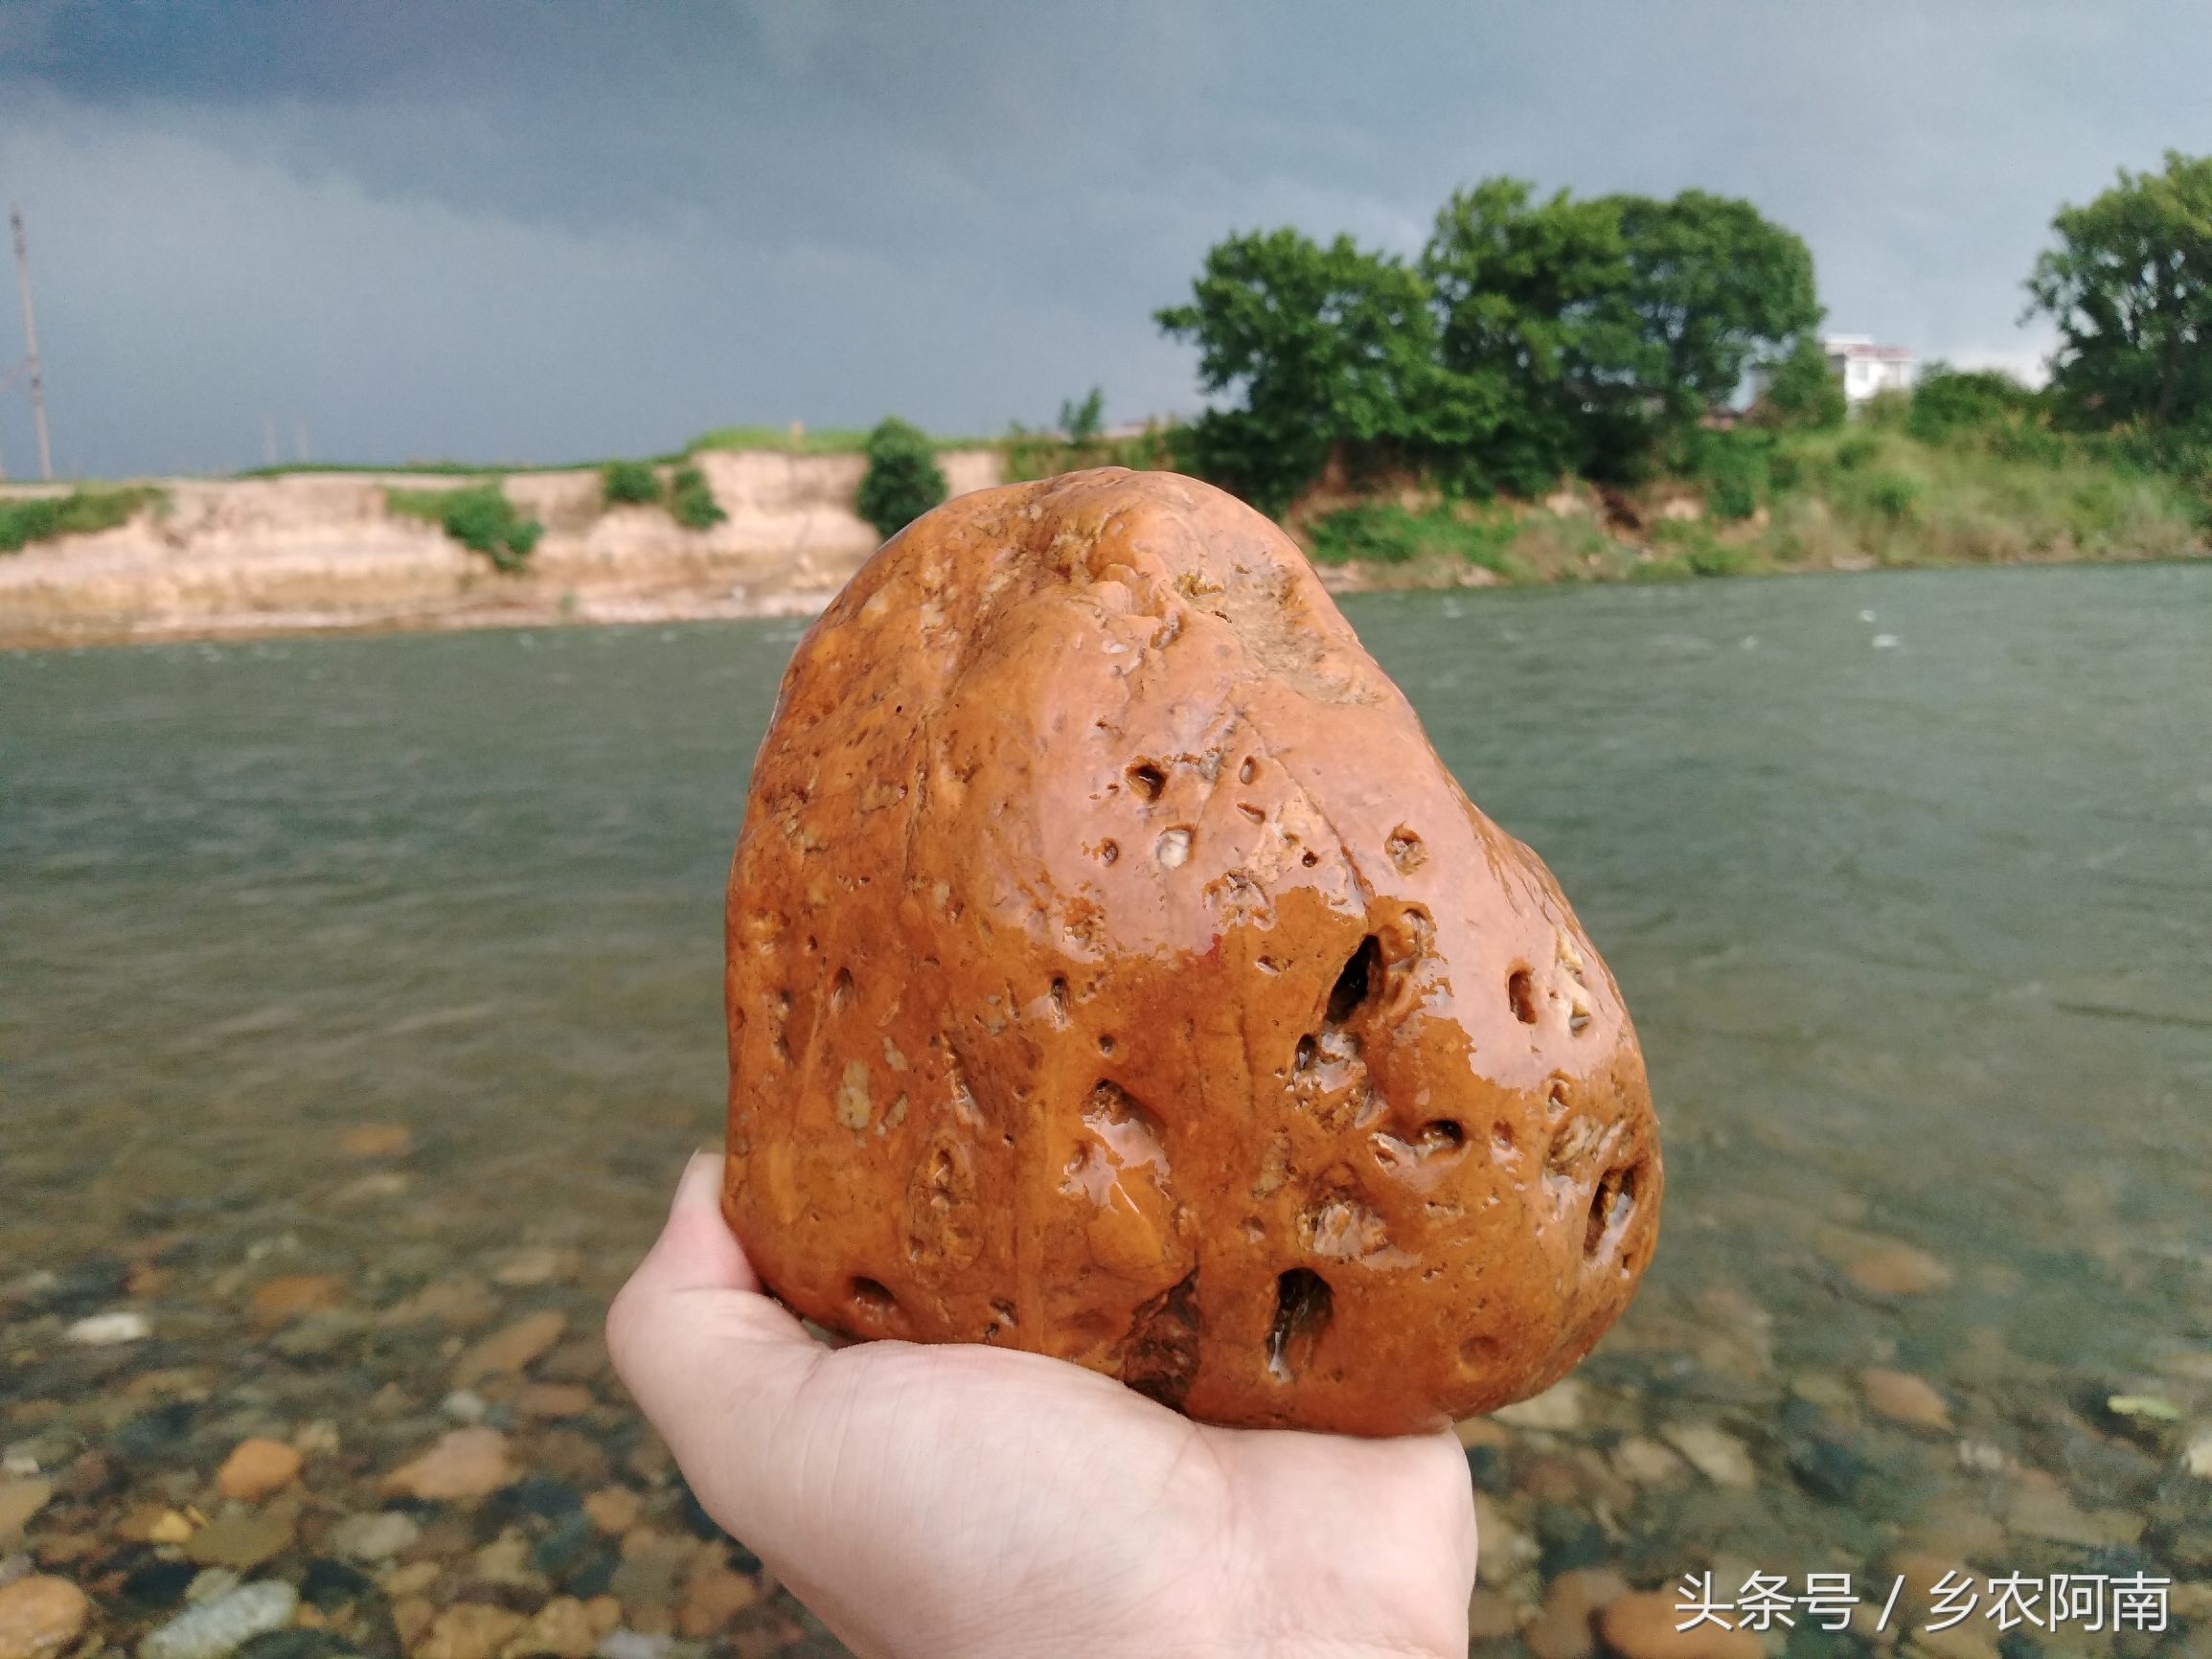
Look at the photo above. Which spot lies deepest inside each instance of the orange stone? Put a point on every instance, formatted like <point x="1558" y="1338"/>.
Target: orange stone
<point x="257" y="1469"/>
<point x="1643" y="1626"/>
<point x="1116" y="972"/>
<point x="377" y="1141"/>
<point x="279" y="1300"/>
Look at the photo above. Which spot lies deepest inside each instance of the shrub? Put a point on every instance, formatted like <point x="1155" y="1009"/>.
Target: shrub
<point x="629" y="484"/>
<point x="903" y="480"/>
<point x="1950" y="403"/>
<point x="80" y="513"/>
<point x="1893" y="496"/>
<point x="692" y="502"/>
<point x="1080" y="423"/>
<point x="480" y="518"/>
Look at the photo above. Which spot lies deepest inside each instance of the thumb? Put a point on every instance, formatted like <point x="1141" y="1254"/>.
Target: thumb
<point x="713" y="1363"/>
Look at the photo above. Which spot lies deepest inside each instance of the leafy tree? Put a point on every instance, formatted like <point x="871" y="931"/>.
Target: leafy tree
<point x="1802" y="391"/>
<point x="2129" y="286"/>
<point x="1518" y="288"/>
<point x="1715" y="290"/>
<point x="1332" y="348"/>
<point x="903" y="480"/>
<point x="629" y="483"/>
<point x="1082" y="422"/>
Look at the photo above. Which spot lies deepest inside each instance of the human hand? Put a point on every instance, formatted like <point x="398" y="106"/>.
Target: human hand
<point x="974" y="1501"/>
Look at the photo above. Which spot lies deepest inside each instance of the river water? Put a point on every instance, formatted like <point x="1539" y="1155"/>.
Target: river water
<point x="386" y="970"/>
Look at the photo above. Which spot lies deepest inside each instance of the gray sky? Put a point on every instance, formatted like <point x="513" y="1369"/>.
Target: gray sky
<point x="514" y="229"/>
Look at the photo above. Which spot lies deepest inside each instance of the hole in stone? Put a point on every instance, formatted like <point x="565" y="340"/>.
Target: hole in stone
<point x="1520" y="992"/>
<point x="1249" y="770"/>
<point x="1251" y="812"/>
<point x="870" y="1298"/>
<point x="1107" y="852"/>
<point x="1442" y="1135"/>
<point x="1609" y="1206"/>
<point x="1309" y="858"/>
<point x="1309" y="1054"/>
<point x="1406" y="851"/>
<point x="1105" y="1045"/>
<point x="1301" y="1315"/>
<point x="841" y="988"/>
<point x="1501" y="1135"/>
<point x="1147" y="780"/>
<point x="1160" y="1355"/>
<point x="1058" y="998"/>
<point x="1362" y="975"/>
<point x="1577" y="1021"/>
<point x="1556" y="1098"/>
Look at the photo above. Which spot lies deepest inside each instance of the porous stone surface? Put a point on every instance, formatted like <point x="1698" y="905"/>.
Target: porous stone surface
<point x="1116" y="972"/>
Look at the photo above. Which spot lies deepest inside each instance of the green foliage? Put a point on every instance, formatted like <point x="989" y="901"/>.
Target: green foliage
<point x="903" y="480"/>
<point x="480" y="518"/>
<point x="1803" y="393"/>
<point x="1332" y="350"/>
<point x="1386" y="533"/>
<point x="629" y="483"/>
<point x="2129" y="286"/>
<point x="1532" y="338"/>
<point x="1893" y="495"/>
<point x="81" y="512"/>
<point x="1733" y="466"/>
<point x="1954" y="405"/>
<point x="1034" y="455"/>
<point x="1080" y="423"/>
<point x="692" y="502"/>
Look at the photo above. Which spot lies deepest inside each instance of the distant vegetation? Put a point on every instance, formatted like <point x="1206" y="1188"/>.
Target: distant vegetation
<point x="686" y="494"/>
<point x="80" y="513"/>
<point x="903" y="480"/>
<point x="479" y="517"/>
<point x="1406" y="411"/>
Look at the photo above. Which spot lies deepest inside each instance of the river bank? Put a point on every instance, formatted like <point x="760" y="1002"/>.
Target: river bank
<point x="319" y="552"/>
<point x="326" y="552"/>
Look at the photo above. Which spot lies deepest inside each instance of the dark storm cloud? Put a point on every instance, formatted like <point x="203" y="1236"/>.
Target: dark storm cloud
<point x="529" y="230"/>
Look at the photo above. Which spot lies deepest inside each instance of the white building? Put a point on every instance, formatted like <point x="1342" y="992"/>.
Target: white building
<point x="1867" y="368"/>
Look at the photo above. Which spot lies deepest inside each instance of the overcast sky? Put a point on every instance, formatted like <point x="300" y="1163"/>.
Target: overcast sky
<point x="516" y="231"/>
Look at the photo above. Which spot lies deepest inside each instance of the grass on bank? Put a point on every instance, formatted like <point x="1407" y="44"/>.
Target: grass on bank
<point x="1869" y="493"/>
<point x="81" y="512"/>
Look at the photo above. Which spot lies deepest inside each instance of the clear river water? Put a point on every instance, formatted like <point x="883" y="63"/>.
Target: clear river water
<point x="385" y="970"/>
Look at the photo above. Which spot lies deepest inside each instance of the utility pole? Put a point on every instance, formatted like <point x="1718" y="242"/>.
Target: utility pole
<point x="30" y="346"/>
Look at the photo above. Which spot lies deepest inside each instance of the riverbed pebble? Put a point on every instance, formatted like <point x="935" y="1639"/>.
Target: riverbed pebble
<point x="467" y="1462"/>
<point x="468" y="1630"/>
<point x="214" y="1627"/>
<point x="258" y="1468"/>
<point x="20" y="1499"/>
<point x="510" y="1349"/>
<point x="41" y="1616"/>
<point x="1905" y="1399"/>
<point x="373" y="1538"/>
<point x="1642" y="1627"/>
<point x="110" y="1329"/>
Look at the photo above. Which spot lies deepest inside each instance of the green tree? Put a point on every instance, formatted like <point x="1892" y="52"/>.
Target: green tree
<point x="2129" y="286"/>
<point x="1950" y="403"/>
<point x="1715" y="290"/>
<point x="903" y="480"/>
<point x="1520" y="289"/>
<point x="1332" y="350"/>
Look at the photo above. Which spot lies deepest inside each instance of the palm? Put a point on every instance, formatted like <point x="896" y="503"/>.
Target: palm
<point x="975" y="1501"/>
